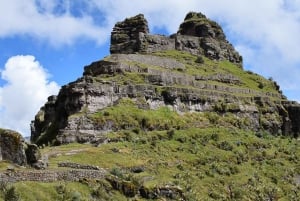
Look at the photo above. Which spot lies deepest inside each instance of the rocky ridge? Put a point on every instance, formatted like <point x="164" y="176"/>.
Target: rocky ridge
<point x="197" y="35"/>
<point x="195" y="70"/>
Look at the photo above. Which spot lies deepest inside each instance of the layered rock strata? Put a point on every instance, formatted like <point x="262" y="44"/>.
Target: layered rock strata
<point x="195" y="70"/>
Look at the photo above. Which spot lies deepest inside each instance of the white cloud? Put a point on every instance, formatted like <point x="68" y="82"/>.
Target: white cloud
<point x="26" y="90"/>
<point x="47" y="20"/>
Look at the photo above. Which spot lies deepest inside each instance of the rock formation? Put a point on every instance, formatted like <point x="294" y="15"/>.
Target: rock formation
<point x="126" y="36"/>
<point x="13" y="148"/>
<point x="197" y="35"/>
<point x="194" y="70"/>
<point x="212" y="41"/>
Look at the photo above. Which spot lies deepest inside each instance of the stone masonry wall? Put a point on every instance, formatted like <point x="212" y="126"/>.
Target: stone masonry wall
<point x="51" y="176"/>
<point x="78" y="166"/>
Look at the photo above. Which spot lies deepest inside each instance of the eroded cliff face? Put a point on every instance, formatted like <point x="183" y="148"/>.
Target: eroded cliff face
<point x="196" y="71"/>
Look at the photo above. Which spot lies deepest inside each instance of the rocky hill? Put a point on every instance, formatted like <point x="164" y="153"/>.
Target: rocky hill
<point x="162" y="118"/>
<point x="195" y="71"/>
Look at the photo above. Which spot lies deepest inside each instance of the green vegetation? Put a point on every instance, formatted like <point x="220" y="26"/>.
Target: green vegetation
<point x="127" y="115"/>
<point x="60" y="191"/>
<point x="199" y="155"/>
<point x="208" y="156"/>
<point x="202" y="66"/>
<point x="206" y="163"/>
<point x="122" y="79"/>
<point x="209" y="67"/>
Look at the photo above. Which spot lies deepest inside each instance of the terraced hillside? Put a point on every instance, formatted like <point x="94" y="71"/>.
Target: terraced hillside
<point x="198" y="73"/>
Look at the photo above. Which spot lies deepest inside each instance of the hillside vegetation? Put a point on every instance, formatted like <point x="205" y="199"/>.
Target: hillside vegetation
<point x="212" y="163"/>
<point x="166" y="118"/>
<point x="194" y="155"/>
<point x="200" y="155"/>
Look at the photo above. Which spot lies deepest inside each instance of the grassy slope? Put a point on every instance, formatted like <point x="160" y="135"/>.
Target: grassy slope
<point x="207" y="163"/>
<point x="209" y="156"/>
<point x="209" y="67"/>
<point x="216" y="161"/>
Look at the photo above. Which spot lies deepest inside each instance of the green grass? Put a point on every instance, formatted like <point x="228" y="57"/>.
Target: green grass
<point x="206" y="160"/>
<point x="127" y="115"/>
<point x="50" y="191"/>
<point x="209" y="155"/>
<point x="125" y="78"/>
<point x="5" y="164"/>
<point x="248" y="80"/>
<point x="130" y="114"/>
<point x="209" y="163"/>
<point x="209" y="67"/>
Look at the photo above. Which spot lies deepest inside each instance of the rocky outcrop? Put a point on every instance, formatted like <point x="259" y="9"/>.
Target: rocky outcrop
<point x="131" y="189"/>
<point x="197" y="35"/>
<point x="126" y="35"/>
<point x="293" y="120"/>
<point x="13" y="148"/>
<point x="183" y="72"/>
<point x="211" y="38"/>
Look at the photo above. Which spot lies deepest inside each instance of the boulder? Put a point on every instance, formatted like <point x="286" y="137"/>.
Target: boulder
<point x="33" y="154"/>
<point x="13" y="148"/>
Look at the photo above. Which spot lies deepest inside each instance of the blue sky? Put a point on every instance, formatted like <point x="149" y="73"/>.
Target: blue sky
<point x="45" y="44"/>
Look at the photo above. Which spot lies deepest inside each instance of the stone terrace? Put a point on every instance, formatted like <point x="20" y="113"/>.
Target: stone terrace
<point x="51" y="175"/>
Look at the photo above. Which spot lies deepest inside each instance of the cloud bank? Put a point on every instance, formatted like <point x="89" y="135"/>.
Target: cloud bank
<point x="26" y="90"/>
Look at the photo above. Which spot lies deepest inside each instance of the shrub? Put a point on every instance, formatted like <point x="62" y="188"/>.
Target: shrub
<point x="212" y="117"/>
<point x="136" y="130"/>
<point x="11" y="194"/>
<point x="171" y="133"/>
<point x="75" y="196"/>
<point x="225" y="146"/>
<point x="199" y="60"/>
<point x="117" y="172"/>
<point x="261" y="85"/>
<point x="3" y="186"/>
<point x="215" y="137"/>
<point x="99" y="193"/>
